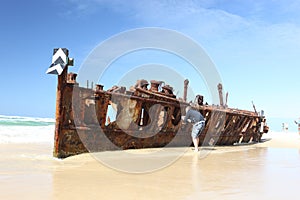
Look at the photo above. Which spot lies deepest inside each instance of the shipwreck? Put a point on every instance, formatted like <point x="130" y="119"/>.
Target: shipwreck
<point x="147" y="115"/>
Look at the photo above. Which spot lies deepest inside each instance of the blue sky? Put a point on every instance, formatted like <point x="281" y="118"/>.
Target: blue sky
<point x="255" y="45"/>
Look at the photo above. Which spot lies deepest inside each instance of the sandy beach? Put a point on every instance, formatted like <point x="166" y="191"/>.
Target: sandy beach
<point x="262" y="171"/>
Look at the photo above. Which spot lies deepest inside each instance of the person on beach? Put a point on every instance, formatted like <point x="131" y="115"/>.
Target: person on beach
<point x="195" y="117"/>
<point x="298" y="123"/>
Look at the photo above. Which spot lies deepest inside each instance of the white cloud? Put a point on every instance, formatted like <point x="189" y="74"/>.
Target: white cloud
<point x="250" y="41"/>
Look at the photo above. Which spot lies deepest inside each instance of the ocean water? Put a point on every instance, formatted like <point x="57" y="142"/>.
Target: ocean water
<point x="17" y="129"/>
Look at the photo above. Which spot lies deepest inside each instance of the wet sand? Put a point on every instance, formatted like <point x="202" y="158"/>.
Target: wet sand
<point x="261" y="171"/>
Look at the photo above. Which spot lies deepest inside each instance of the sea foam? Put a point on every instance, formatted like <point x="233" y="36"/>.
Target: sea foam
<point x="17" y="129"/>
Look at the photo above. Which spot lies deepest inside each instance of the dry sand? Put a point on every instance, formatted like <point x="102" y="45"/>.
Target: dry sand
<point x="281" y="140"/>
<point x="261" y="171"/>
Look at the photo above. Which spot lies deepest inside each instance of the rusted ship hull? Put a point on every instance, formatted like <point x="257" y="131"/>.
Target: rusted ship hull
<point x="144" y="119"/>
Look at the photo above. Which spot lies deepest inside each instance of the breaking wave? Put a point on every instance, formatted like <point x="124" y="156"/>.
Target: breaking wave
<point x="17" y="129"/>
<point x="24" y="121"/>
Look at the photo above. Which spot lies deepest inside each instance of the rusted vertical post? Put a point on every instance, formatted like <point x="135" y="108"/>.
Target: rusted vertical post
<point x="220" y="89"/>
<point x="101" y="108"/>
<point x="99" y="87"/>
<point x="186" y="83"/>
<point x="154" y="85"/>
<point x="61" y="83"/>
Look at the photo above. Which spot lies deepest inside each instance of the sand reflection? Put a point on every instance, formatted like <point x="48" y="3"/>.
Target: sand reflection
<point x="227" y="173"/>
